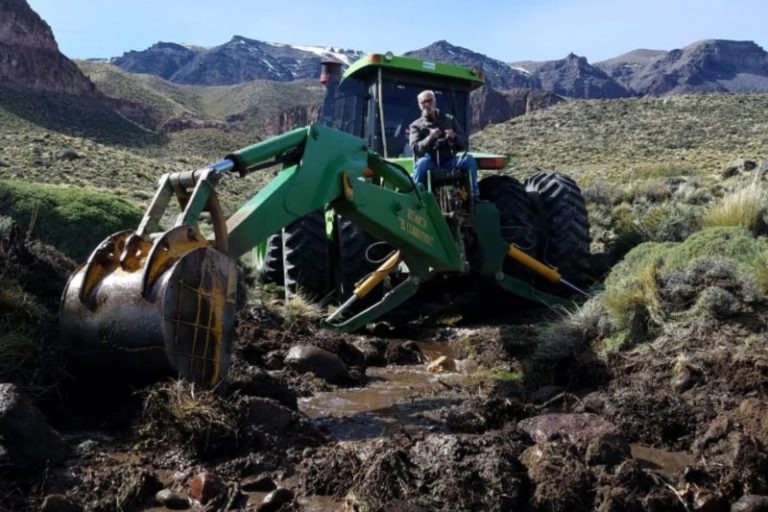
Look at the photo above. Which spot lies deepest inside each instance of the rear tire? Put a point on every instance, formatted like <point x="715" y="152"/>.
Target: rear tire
<point x="306" y="258"/>
<point x="564" y="224"/>
<point x="516" y="217"/>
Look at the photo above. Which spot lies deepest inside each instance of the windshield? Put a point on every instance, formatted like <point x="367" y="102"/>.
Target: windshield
<point x="349" y="108"/>
<point x="401" y="109"/>
<point x="345" y="110"/>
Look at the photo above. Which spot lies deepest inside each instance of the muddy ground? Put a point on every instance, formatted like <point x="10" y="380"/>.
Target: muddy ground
<point x="679" y="424"/>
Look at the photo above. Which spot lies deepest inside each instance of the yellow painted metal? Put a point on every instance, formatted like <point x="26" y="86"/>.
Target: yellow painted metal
<point x="156" y="303"/>
<point x="369" y="283"/>
<point x="534" y="264"/>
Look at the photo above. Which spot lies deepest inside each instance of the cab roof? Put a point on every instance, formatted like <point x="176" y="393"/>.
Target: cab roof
<point x="471" y="78"/>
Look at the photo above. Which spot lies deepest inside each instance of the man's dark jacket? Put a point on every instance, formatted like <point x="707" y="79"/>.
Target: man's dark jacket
<point x="419" y="132"/>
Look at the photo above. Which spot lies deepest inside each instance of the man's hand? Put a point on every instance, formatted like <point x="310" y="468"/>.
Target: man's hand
<point x="434" y="133"/>
<point x="450" y="134"/>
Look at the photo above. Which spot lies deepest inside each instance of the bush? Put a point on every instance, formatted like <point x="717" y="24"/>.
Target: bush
<point x="72" y="220"/>
<point x="744" y="207"/>
<point x="638" y="292"/>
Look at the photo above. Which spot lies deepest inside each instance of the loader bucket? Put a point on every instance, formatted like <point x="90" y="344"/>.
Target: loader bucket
<point x="140" y="309"/>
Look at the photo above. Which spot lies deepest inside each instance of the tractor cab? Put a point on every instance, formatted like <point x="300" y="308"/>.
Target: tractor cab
<point x="375" y="99"/>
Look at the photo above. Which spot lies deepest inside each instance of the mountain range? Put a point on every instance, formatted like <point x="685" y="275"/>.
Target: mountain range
<point x="711" y="65"/>
<point x="30" y="58"/>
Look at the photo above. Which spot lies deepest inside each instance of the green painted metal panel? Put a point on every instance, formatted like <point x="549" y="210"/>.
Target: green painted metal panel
<point x="374" y="61"/>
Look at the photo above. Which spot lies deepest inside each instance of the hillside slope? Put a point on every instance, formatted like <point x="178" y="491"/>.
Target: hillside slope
<point x="699" y="132"/>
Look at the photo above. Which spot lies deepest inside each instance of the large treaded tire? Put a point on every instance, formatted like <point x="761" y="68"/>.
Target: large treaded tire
<point x="306" y="258"/>
<point x="516" y="216"/>
<point x="272" y="269"/>
<point x="355" y="263"/>
<point x="564" y="224"/>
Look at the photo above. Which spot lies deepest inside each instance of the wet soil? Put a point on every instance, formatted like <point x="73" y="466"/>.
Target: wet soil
<point x="678" y="424"/>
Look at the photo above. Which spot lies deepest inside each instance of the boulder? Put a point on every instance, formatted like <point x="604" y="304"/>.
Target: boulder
<point x="275" y="500"/>
<point x="595" y="437"/>
<point x="253" y="381"/>
<point x="269" y="414"/>
<point x="65" y="154"/>
<point x="172" y="500"/>
<point x="27" y="439"/>
<point x="206" y="487"/>
<point x="323" y="364"/>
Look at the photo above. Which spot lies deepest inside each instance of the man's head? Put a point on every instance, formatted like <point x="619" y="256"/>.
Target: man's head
<point x="427" y="103"/>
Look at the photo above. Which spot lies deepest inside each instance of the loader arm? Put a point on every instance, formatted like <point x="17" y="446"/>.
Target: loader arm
<point x="334" y="168"/>
<point x="152" y="301"/>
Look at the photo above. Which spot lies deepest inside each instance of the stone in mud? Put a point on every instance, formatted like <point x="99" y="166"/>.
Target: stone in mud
<point x="404" y="353"/>
<point x="27" y="439"/>
<point x="275" y="500"/>
<point x="751" y="503"/>
<point x="579" y="429"/>
<point x="323" y="364"/>
<point x="206" y="486"/>
<point x="253" y="381"/>
<point x="372" y="350"/>
<point x="172" y="500"/>
<point x="59" y="503"/>
<point x="262" y="483"/>
<point x="269" y="414"/>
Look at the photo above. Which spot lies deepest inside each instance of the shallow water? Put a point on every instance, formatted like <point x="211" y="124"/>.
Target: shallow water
<point x="395" y="398"/>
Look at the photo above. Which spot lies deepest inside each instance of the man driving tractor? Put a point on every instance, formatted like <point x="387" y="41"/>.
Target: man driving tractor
<point x="435" y="139"/>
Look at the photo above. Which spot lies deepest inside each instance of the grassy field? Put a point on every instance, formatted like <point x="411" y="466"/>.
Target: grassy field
<point x="619" y="139"/>
<point x="648" y="167"/>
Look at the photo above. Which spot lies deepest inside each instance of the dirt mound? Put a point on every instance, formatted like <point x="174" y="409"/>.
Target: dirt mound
<point x="437" y="472"/>
<point x="32" y="277"/>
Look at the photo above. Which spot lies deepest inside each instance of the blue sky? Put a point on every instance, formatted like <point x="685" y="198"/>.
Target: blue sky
<point x="508" y="30"/>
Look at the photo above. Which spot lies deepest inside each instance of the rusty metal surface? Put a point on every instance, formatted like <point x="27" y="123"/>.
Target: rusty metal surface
<point x="170" y="312"/>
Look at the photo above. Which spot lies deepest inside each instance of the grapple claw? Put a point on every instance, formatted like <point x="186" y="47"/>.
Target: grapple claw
<point x="139" y="309"/>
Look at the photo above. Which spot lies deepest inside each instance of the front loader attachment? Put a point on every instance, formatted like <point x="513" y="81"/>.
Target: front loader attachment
<point x="147" y="304"/>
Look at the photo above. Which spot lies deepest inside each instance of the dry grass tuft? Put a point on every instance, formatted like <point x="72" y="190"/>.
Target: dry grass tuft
<point x="743" y="207"/>
<point x="299" y="313"/>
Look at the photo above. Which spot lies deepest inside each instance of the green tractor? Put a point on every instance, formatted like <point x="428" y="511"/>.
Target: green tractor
<point x="342" y="221"/>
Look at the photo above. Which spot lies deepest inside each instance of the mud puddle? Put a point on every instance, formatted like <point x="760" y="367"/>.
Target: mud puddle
<point x="666" y="462"/>
<point x="395" y="398"/>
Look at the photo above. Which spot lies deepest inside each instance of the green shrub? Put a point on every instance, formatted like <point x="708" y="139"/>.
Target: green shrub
<point x="74" y="221"/>
<point x="632" y="295"/>
<point x="669" y="223"/>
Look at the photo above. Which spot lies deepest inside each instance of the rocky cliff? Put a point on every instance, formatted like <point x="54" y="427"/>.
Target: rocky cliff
<point x="712" y="65"/>
<point x="30" y="57"/>
<point x="574" y="77"/>
<point x="490" y="106"/>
